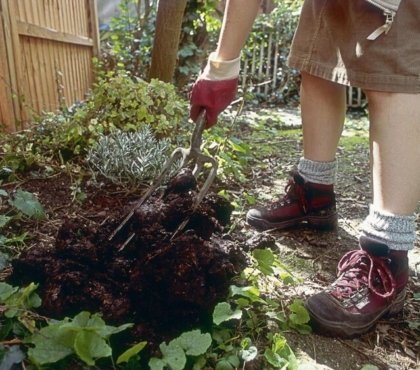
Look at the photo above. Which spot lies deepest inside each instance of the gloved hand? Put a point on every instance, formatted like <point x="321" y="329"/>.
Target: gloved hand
<point x="214" y="89"/>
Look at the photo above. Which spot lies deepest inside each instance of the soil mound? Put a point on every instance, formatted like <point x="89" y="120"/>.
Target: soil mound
<point x="163" y="285"/>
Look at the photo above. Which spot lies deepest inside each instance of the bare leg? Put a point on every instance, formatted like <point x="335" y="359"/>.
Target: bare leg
<point x="395" y="151"/>
<point x="323" y="112"/>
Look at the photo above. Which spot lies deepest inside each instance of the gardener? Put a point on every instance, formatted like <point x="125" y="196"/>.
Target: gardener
<point x="374" y="45"/>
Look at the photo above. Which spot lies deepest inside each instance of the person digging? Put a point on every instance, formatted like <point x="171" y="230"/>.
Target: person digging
<point x="373" y="45"/>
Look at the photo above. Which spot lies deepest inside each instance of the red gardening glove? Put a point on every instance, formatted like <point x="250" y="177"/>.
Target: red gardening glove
<point x="213" y="96"/>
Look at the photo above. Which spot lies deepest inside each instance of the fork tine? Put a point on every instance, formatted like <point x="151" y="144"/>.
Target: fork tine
<point x="168" y="164"/>
<point x="193" y="153"/>
<point x="203" y="191"/>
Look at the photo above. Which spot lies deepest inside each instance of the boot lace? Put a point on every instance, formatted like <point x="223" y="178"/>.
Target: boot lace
<point x="357" y="270"/>
<point x="293" y="192"/>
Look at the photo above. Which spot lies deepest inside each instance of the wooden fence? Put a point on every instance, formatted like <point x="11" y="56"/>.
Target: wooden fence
<point x="265" y="72"/>
<point x="46" y="50"/>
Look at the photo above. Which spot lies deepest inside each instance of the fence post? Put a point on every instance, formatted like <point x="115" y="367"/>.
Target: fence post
<point x="13" y="60"/>
<point x="94" y="26"/>
<point x="7" y="114"/>
<point x="276" y="57"/>
<point x="268" y="66"/>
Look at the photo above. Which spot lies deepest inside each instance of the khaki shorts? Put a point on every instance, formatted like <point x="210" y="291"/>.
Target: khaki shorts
<point x="331" y="42"/>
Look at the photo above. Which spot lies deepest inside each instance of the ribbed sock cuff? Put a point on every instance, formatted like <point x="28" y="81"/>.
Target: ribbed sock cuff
<point x="318" y="172"/>
<point x="398" y="232"/>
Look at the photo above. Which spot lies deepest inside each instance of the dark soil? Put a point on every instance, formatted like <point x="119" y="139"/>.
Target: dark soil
<point x="163" y="285"/>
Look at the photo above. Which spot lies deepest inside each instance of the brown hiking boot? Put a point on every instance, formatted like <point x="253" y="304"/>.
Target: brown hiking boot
<point x="304" y="202"/>
<point x="371" y="284"/>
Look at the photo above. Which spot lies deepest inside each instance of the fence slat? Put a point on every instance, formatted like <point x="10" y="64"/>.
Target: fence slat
<point x="6" y="104"/>
<point x="32" y="30"/>
<point x="48" y="47"/>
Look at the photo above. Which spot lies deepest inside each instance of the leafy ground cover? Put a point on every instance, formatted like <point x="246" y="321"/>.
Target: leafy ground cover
<point x="262" y="323"/>
<point x="276" y="143"/>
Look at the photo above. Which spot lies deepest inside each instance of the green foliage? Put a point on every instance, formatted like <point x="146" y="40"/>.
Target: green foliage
<point x="127" y="44"/>
<point x="10" y="356"/>
<point x="199" y="34"/>
<point x="280" y="355"/>
<point x="131" y="352"/>
<point x="17" y="319"/>
<point x="129" y="159"/>
<point x="76" y="192"/>
<point x="16" y="301"/>
<point x="223" y="312"/>
<point x="21" y="204"/>
<point x="117" y="102"/>
<point x="28" y="204"/>
<point x="232" y="154"/>
<point x="248" y="326"/>
<point x="122" y="102"/>
<point x="85" y="335"/>
<point x="174" y="354"/>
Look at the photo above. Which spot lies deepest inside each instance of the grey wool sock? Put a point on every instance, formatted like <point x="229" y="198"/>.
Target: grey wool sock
<point x="318" y="172"/>
<point x="398" y="232"/>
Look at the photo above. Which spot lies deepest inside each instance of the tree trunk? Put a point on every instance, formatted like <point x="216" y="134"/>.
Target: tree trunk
<point x="165" y="46"/>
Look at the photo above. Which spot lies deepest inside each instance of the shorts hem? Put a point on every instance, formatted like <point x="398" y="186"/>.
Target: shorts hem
<point x="343" y="76"/>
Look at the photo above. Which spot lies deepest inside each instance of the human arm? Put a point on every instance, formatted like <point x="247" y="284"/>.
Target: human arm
<point x="216" y="87"/>
<point x="237" y="23"/>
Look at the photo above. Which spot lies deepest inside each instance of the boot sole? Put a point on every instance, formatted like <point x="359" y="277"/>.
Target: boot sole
<point x="318" y="222"/>
<point x="343" y="330"/>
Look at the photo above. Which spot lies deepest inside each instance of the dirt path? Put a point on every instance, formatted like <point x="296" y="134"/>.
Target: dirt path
<point x="314" y="255"/>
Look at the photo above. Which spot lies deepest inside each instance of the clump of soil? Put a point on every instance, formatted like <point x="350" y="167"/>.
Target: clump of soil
<point x="162" y="284"/>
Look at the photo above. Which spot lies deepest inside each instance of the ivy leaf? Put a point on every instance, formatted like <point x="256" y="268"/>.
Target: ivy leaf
<point x="4" y="220"/>
<point x="299" y="313"/>
<point x="281" y="350"/>
<point x="81" y="320"/>
<point x="31" y="299"/>
<point x="186" y="52"/>
<point x="223" y="312"/>
<point x="249" y="354"/>
<point x="224" y="365"/>
<point x="275" y="359"/>
<point x="88" y="345"/>
<point x="4" y="259"/>
<point x="51" y="344"/>
<point x="10" y="356"/>
<point x="28" y="204"/>
<point x="250" y="292"/>
<point x="3" y="193"/>
<point x="108" y="330"/>
<point x="265" y="259"/>
<point x="228" y="363"/>
<point x="132" y="351"/>
<point x="194" y="343"/>
<point x="22" y="298"/>
<point x="6" y="291"/>
<point x="84" y="320"/>
<point x="156" y="364"/>
<point x="173" y="355"/>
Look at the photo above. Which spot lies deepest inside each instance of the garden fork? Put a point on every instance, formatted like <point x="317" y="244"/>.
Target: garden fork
<point x="189" y="156"/>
